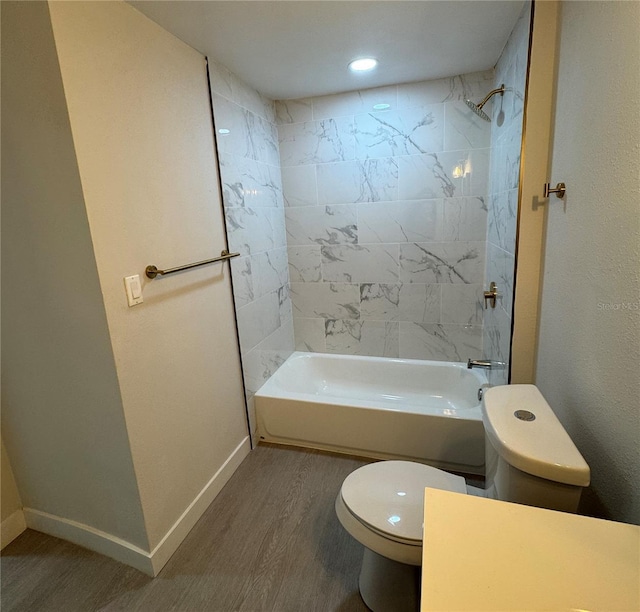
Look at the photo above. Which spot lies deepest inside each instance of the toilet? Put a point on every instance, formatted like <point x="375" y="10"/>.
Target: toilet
<point x="529" y="457"/>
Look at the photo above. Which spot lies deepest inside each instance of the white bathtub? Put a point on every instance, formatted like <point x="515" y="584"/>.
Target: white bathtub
<point x="376" y="407"/>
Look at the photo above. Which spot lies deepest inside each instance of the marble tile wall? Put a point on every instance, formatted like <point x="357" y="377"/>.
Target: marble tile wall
<point x="386" y="218"/>
<point x="249" y="159"/>
<point x="506" y="139"/>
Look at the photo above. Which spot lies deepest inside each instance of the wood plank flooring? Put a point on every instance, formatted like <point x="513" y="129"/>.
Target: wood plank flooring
<point x="270" y="541"/>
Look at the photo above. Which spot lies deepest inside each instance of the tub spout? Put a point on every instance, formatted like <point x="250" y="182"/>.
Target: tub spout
<point x="487" y="364"/>
<point x="479" y="363"/>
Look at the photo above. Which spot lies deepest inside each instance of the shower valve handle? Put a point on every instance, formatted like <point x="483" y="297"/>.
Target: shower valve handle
<point x="491" y="295"/>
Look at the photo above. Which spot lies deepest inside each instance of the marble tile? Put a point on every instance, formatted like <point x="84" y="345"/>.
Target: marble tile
<point x="496" y="344"/>
<point x="501" y="270"/>
<point x="463" y="129"/>
<point x="249" y="134"/>
<point x="360" y="264"/>
<point x="278" y="223"/>
<point x="285" y="305"/>
<point x="372" y="338"/>
<point x="246" y="182"/>
<point x="371" y="180"/>
<point x="502" y="221"/>
<point x="324" y="225"/>
<point x="462" y="304"/>
<point x="439" y="342"/>
<point x="305" y="264"/>
<point x="316" y="142"/>
<point x="407" y="221"/>
<point x="229" y="85"/>
<point x="448" y="262"/>
<point x="222" y="79"/>
<point x="406" y="132"/>
<point x="464" y="219"/>
<point x="243" y="292"/>
<point x="326" y="300"/>
<point x="261" y="362"/>
<point x="380" y="301"/>
<point x="473" y="86"/>
<point x="270" y="271"/>
<point x="294" y="111"/>
<point x="299" y="185"/>
<point x="257" y="320"/>
<point x="353" y="102"/>
<point x="250" y="230"/>
<point x="310" y="335"/>
<point x="477" y="182"/>
<point x="254" y="370"/>
<point x="420" y="303"/>
<point x="422" y="177"/>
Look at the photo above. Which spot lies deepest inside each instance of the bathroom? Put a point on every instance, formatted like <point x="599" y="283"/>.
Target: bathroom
<point x="586" y="341"/>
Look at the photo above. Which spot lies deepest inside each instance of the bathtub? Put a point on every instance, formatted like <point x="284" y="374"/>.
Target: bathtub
<point x="376" y="407"/>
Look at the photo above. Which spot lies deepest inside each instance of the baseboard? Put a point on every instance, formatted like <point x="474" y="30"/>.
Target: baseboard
<point x="125" y="552"/>
<point x="91" y="538"/>
<point x="12" y="527"/>
<point x="174" y="537"/>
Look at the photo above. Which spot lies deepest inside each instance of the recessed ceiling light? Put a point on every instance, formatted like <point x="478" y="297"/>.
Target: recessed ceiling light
<point x="224" y="131"/>
<point x="381" y="106"/>
<point x="363" y="64"/>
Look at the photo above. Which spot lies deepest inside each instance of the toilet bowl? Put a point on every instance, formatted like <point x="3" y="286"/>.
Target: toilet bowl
<point x="530" y="459"/>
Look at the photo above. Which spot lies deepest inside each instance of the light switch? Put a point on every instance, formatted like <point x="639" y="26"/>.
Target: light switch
<point x="134" y="289"/>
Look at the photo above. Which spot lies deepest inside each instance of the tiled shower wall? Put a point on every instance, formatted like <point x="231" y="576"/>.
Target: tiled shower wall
<point x="386" y="218"/>
<point x="254" y="212"/>
<point x="506" y="139"/>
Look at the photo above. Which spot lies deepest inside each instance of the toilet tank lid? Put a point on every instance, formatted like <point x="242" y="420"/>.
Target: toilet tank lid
<point x="540" y="447"/>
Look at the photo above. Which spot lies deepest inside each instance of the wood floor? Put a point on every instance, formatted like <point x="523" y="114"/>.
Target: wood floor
<point x="269" y="542"/>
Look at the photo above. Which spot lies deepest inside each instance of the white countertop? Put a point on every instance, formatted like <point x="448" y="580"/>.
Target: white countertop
<point x="482" y="554"/>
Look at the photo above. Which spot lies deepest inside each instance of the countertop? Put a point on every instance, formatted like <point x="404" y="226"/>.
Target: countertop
<point x="483" y="554"/>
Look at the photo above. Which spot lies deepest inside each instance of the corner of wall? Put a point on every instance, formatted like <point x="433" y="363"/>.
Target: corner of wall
<point x="532" y="212"/>
<point x="12" y="516"/>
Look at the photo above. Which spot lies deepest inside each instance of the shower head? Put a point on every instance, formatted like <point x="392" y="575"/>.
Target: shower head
<point x="477" y="108"/>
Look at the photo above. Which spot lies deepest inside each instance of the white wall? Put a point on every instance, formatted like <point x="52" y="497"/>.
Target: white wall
<point x="141" y="123"/>
<point x="589" y="343"/>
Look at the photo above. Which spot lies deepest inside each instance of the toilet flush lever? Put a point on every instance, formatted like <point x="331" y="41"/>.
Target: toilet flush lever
<point x="491" y="295"/>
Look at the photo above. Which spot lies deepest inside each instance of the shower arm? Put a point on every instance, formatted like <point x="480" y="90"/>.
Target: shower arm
<point x="492" y="93"/>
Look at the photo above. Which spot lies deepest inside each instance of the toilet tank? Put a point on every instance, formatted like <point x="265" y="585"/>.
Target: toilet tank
<point x="530" y="458"/>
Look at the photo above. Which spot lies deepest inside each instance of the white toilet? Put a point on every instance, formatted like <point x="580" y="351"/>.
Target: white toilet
<point x="530" y="459"/>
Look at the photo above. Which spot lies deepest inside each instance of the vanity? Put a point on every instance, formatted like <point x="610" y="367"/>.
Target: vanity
<point x="483" y="554"/>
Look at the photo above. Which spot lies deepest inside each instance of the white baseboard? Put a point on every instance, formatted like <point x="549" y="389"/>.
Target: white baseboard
<point x="125" y="552"/>
<point x="174" y="537"/>
<point x="12" y="527"/>
<point x="91" y="538"/>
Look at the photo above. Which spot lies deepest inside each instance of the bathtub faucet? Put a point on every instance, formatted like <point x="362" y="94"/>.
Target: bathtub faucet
<point x="487" y="364"/>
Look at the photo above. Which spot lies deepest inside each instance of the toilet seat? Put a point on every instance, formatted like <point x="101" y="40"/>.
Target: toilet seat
<point x="381" y="506"/>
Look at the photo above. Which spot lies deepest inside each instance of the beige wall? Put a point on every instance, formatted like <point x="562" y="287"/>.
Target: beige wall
<point x="62" y="417"/>
<point x="10" y="500"/>
<point x="532" y="212"/>
<point x="11" y="514"/>
<point x="589" y="342"/>
<point x="141" y="124"/>
<point x="121" y="423"/>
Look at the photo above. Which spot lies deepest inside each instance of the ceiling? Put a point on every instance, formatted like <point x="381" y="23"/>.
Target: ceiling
<point x="299" y="48"/>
